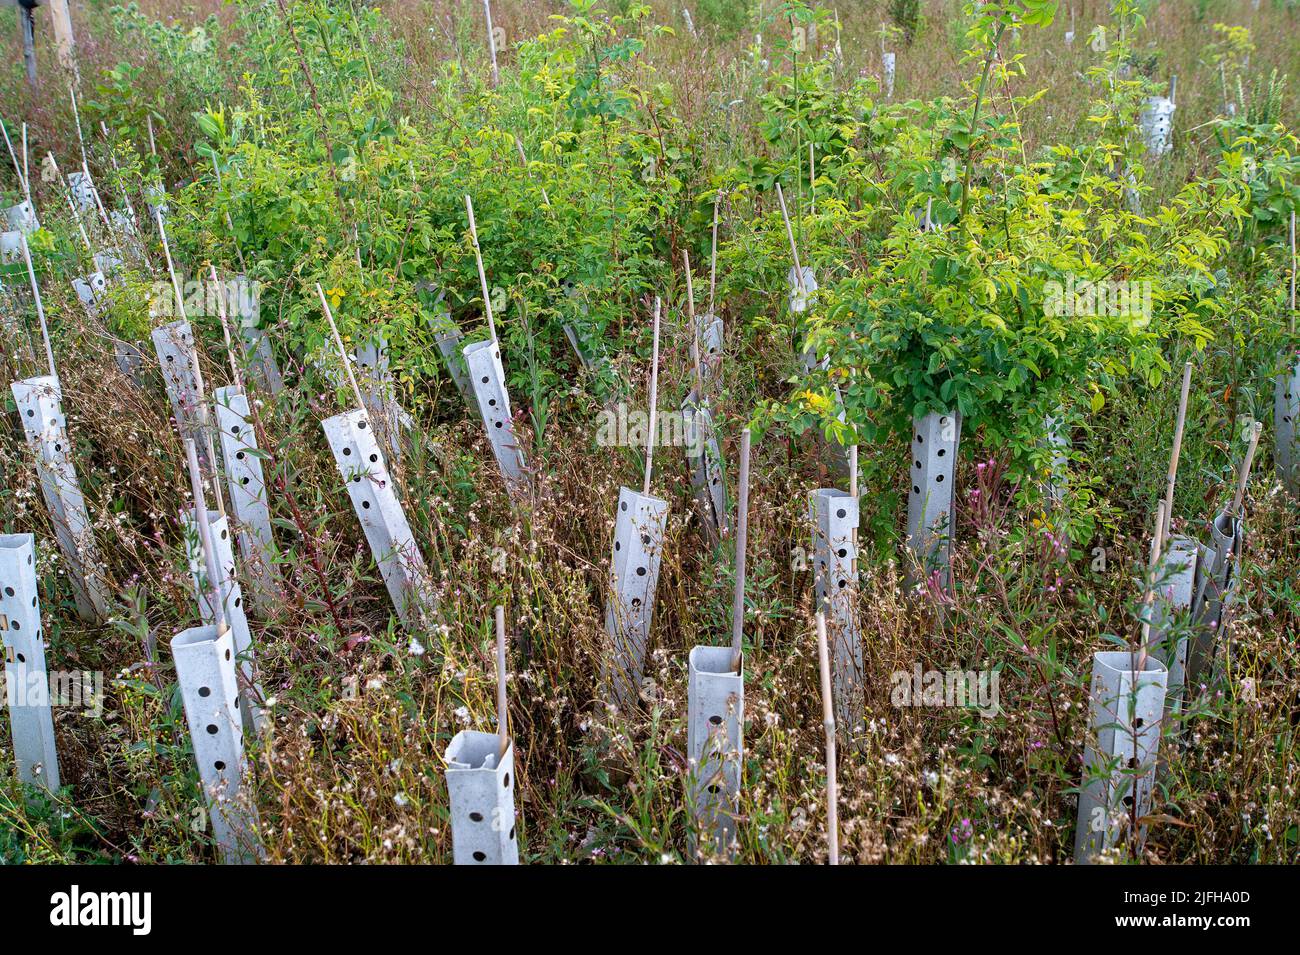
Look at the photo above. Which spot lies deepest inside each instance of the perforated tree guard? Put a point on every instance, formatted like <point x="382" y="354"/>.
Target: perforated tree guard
<point x="31" y="722"/>
<point x="92" y="292"/>
<point x="704" y="461"/>
<point x="1157" y="122"/>
<point x="1286" y="414"/>
<point x="448" y="339"/>
<point x="205" y="670"/>
<point x="40" y="408"/>
<point x="232" y="604"/>
<point x="248" y="497"/>
<point x="1171" y="618"/>
<point x="639" y="526"/>
<point x="834" y="517"/>
<point x="1217" y="570"/>
<point x="930" y="528"/>
<point x="360" y="461"/>
<point x="710" y="330"/>
<point x="481" y="791"/>
<point x="715" y="741"/>
<point x="22" y="218"/>
<point x="174" y="345"/>
<point x="260" y="361"/>
<point x="1125" y="709"/>
<point x="488" y="378"/>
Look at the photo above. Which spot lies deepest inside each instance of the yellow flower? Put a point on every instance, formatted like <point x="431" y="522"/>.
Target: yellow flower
<point x="815" y="402"/>
<point x="336" y="296"/>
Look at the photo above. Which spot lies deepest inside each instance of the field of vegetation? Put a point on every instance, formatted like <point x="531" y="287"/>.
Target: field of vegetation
<point x="945" y="241"/>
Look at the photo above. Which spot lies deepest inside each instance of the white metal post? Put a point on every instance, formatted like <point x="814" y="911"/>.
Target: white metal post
<point x="26" y="680"/>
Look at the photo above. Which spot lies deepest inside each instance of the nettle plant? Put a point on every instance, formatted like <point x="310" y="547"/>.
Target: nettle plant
<point x="1035" y="292"/>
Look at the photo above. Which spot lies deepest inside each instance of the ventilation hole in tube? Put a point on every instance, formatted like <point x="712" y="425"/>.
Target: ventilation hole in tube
<point x="715" y="789"/>
<point x="1138" y="722"/>
<point x="640" y="571"/>
<point x="944" y="421"/>
<point x="505" y="781"/>
<point x="920" y="440"/>
<point x="498" y="424"/>
<point x="622" y="506"/>
<point x="1128" y="802"/>
<point x="492" y="402"/>
<point x="212" y="729"/>
<point x="942" y="452"/>
<point x="476" y="816"/>
<point x="243" y="480"/>
<point x="235" y="429"/>
<point x="239" y="455"/>
<point x="15" y="624"/>
<point x="205" y="691"/>
<point x="715" y="720"/>
<point x="366" y="505"/>
<point x="33" y="601"/>
<point x="224" y="535"/>
<point x="843" y="552"/>
<point x="21" y="658"/>
<point x="645" y="539"/>
<point x="218" y="765"/>
<point x="374" y="459"/>
<point x="841" y="513"/>
<point x="915" y="489"/>
<point x="238" y="601"/>
<point x="31" y="413"/>
<point x="512" y="833"/>
<point x="9" y="591"/>
<point x="485" y="379"/>
<point x="356" y="478"/>
<point x="361" y="424"/>
<point x="1133" y="762"/>
<point x="479" y="856"/>
<point x="843" y="583"/>
<point x="938" y="478"/>
<point x="916" y="463"/>
<point x="227" y="654"/>
<point x="636" y="602"/>
<point x="171" y="357"/>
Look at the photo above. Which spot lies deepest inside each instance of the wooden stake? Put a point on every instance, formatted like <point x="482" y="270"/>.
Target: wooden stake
<point x="343" y="352"/>
<point x="1244" y="476"/>
<point x="695" y="333"/>
<point x="828" y="723"/>
<point x="1177" y="449"/>
<point x="40" y="309"/>
<point x="492" y="42"/>
<point x="742" y="540"/>
<point x="482" y="276"/>
<point x="502" y="714"/>
<point x="654" y="395"/>
<point x="794" y="249"/>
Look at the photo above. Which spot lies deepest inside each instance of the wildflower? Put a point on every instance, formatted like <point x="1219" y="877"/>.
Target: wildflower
<point x="336" y="296"/>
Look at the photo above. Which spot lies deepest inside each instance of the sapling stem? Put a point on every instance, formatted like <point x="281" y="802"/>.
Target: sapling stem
<point x="654" y="395"/>
<point x="502" y="714"/>
<point x="812" y="181"/>
<point x="1177" y="448"/>
<point x="853" y="493"/>
<point x="482" y="275"/>
<point x="1157" y="544"/>
<point x="742" y="540"/>
<point x="343" y="352"/>
<point x="695" y="336"/>
<point x="18" y="171"/>
<point x="1244" y="476"/>
<point x="1293" y="269"/>
<point x="40" y="309"/>
<point x="523" y="161"/>
<point x="828" y="723"/>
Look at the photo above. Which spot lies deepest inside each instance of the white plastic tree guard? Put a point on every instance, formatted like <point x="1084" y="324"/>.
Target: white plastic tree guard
<point x="39" y="405"/>
<point x="248" y="498"/>
<point x="92" y="290"/>
<point x="1056" y="440"/>
<point x="1157" y="122"/>
<point x="83" y="191"/>
<point x="481" y="791"/>
<point x="155" y="197"/>
<point x="704" y="459"/>
<point x="801" y="293"/>
<point x="710" y="329"/>
<point x="174" y="344"/>
<point x="488" y="378"/>
<point x="715" y="740"/>
<point x="364" y="470"/>
<point x="1217" y="570"/>
<point x="448" y="338"/>
<point x="232" y="602"/>
<point x="1170" y="618"/>
<point x="1286" y="414"/>
<point x="259" y="357"/>
<point x="639" y="527"/>
<point x="205" y="670"/>
<point x="26" y="680"/>
<point x="379" y="395"/>
<point x="22" y="218"/>
<point x="834" y="517"/>
<point x="930" y="514"/>
<point x="888" y="67"/>
<point x="1119" y="761"/>
<point x="11" y="247"/>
